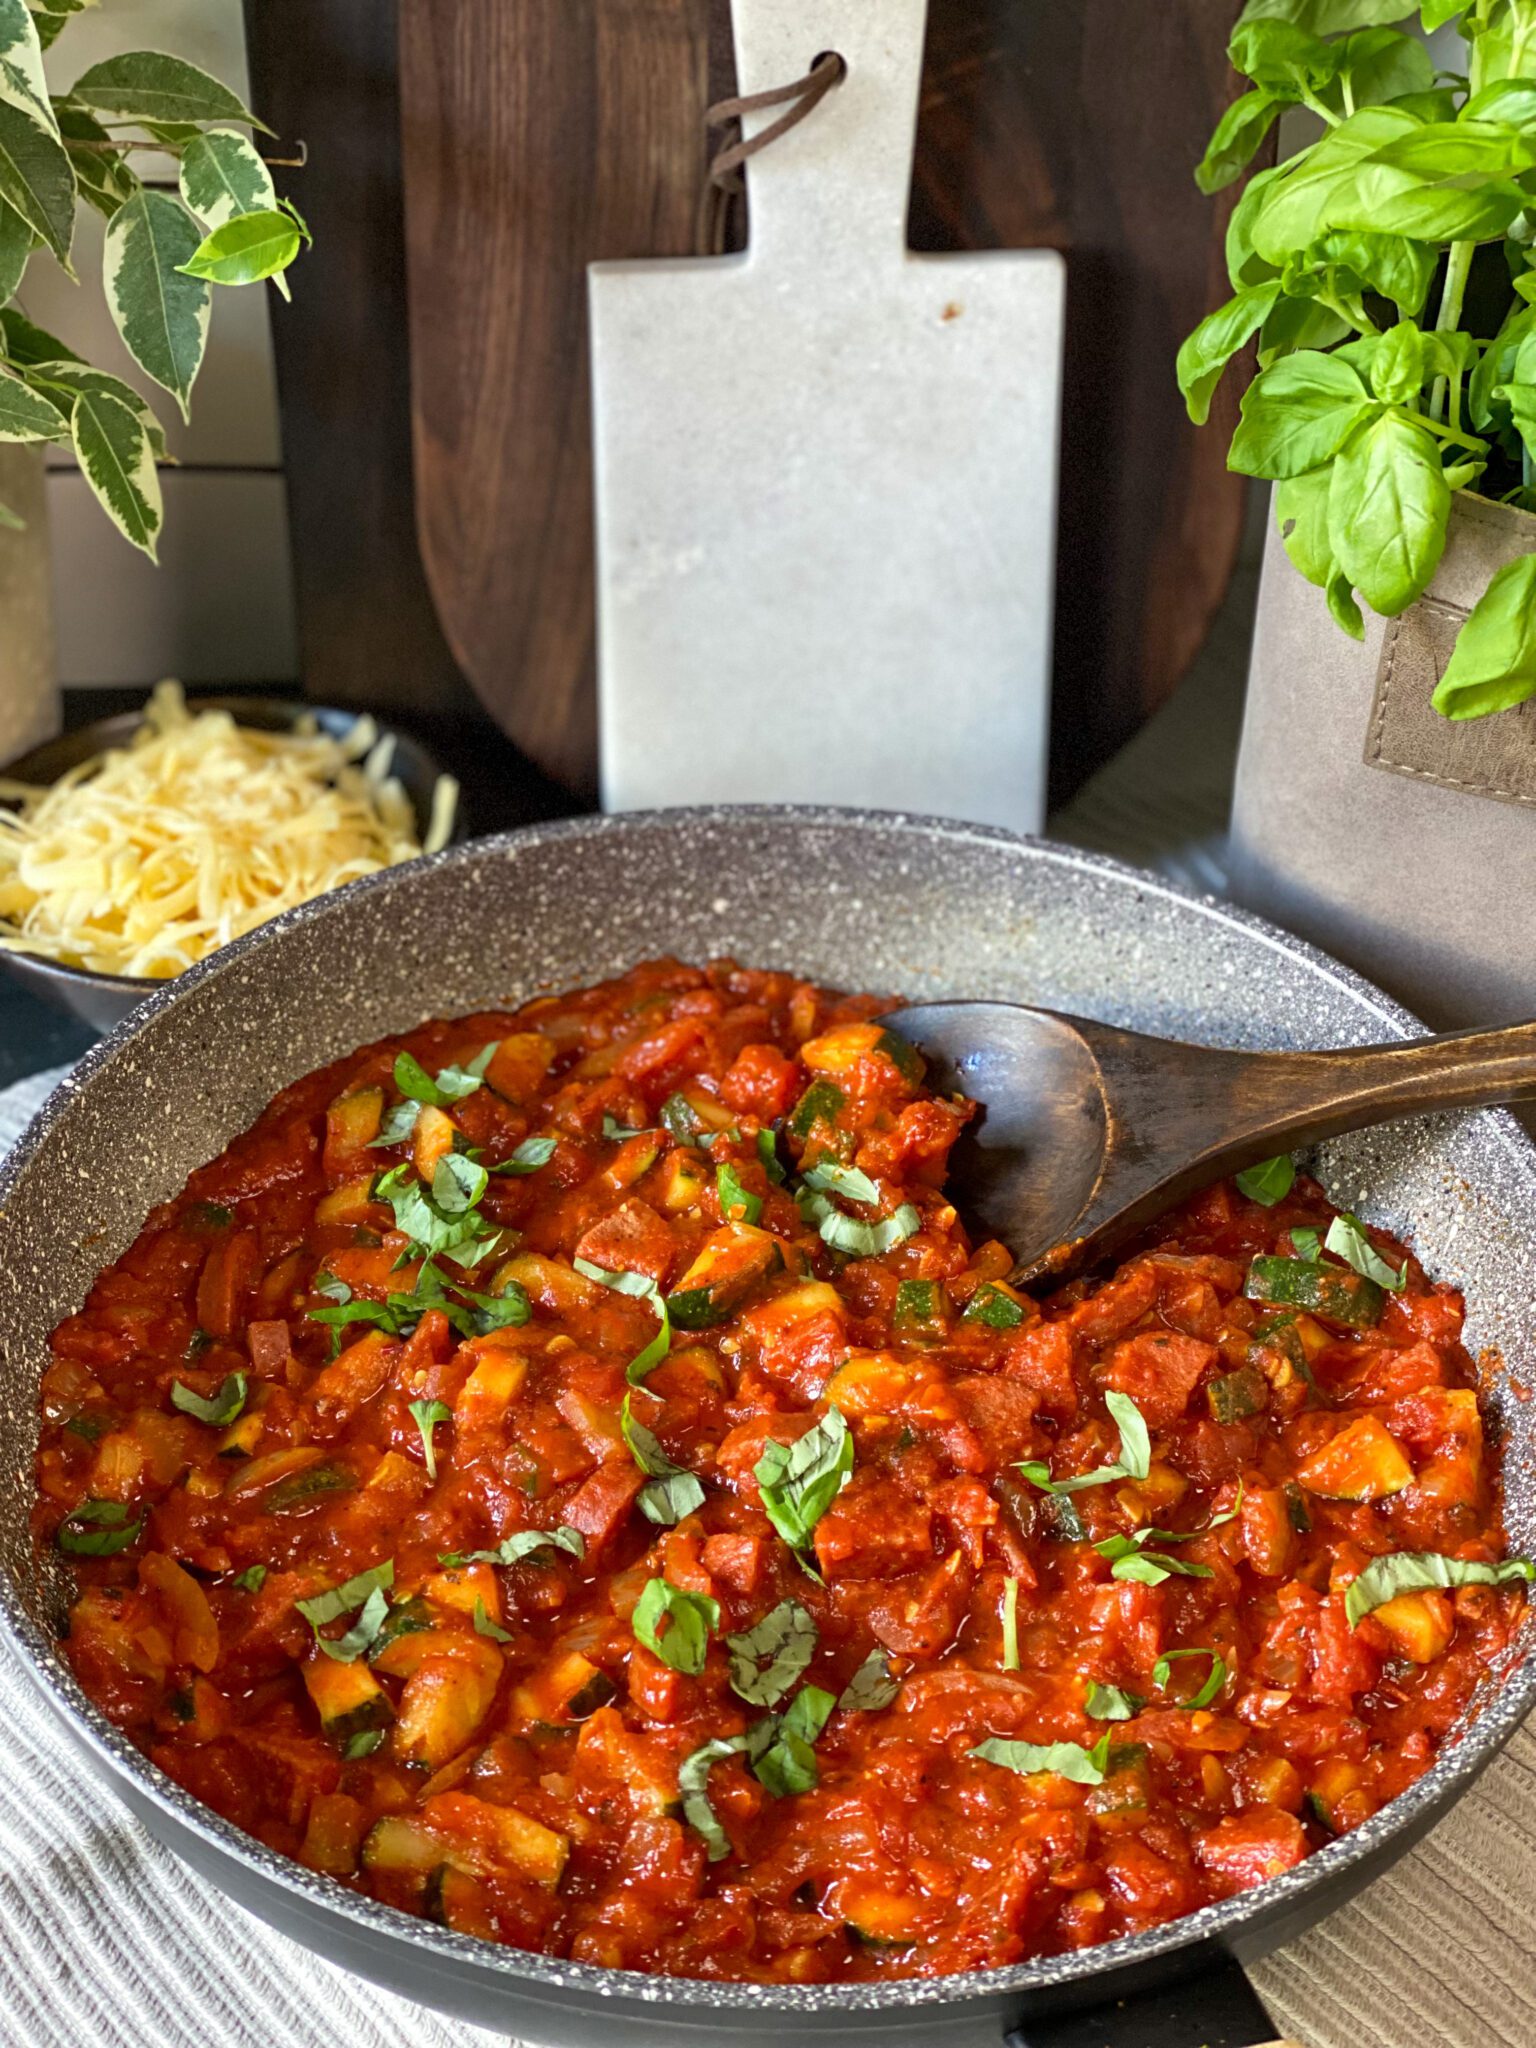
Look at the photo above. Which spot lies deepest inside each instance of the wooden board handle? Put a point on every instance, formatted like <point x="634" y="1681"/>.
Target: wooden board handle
<point x="834" y="192"/>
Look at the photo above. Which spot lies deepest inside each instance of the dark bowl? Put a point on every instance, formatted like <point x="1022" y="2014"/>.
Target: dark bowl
<point x="103" y="1000"/>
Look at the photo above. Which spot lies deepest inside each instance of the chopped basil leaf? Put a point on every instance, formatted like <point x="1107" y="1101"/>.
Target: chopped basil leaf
<point x="520" y="1544"/>
<point x="484" y="1626"/>
<point x="1418" y="1571"/>
<point x="1347" y="1240"/>
<point x="1162" y="1673"/>
<point x="643" y="1288"/>
<point x="219" y="1408"/>
<point x="788" y="1765"/>
<point x="1128" y="1560"/>
<point x="871" y="1688"/>
<point x="672" y="1491"/>
<point x="427" y="1415"/>
<point x="1307" y="1243"/>
<point x="768" y="1154"/>
<point x="990" y="1305"/>
<point x="1110" y="1703"/>
<point x="397" y="1125"/>
<point x="528" y="1158"/>
<point x="848" y="1234"/>
<point x="693" y="1785"/>
<point x="365" y="1591"/>
<point x="690" y="1617"/>
<point x="737" y="1204"/>
<point x="451" y="1085"/>
<point x="251" y="1579"/>
<point x="1270" y="1181"/>
<point x="767" y="1659"/>
<point x="828" y="1177"/>
<point x="681" y="1120"/>
<point x="364" y="1743"/>
<point x="616" y="1133"/>
<point x="1066" y="1759"/>
<point x="1135" y="1460"/>
<point x="800" y="1481"/>
<point x="1010" y="1624"/>
<point x="443" y="1222"/>
<point x="97" y="1528"/>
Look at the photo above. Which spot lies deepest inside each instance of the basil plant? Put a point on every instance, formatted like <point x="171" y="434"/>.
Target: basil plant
<point x="1388" y="271"/>
<point x="164" y="251"/>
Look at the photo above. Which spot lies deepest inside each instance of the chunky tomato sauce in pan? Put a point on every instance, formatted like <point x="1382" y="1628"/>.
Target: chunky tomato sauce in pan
<point x="571" y="1474"/>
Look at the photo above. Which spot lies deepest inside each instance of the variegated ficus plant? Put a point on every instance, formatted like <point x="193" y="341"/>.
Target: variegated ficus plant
<point x="1388" y="269"/>
<point x="164" y="250"/>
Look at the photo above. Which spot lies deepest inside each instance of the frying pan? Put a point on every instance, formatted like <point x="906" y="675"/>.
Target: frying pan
<point x="864" y="900"/>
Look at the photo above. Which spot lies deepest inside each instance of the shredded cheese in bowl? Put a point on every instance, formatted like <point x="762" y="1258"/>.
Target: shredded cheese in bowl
<point x="146" y="858"/>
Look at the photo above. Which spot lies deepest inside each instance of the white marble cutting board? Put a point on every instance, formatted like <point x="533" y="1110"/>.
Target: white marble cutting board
<point x="826" y="475"/>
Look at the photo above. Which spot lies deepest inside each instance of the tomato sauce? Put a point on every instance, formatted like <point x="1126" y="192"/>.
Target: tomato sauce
<point x="768" y="1639"/>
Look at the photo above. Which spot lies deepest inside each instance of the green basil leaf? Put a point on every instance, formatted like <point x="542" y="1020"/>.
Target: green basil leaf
<point x="643" y="1288"/>
<point x="768" y="1155"/>
<point x="769" y="1658"/>
<point x="737" y="1204"/>
<point x="218" y="1408"/>
<point x="1380" y="65"/>
<point x="1388" y="508"/>
<point x="871" y="1688"/>
<point x="1245" y="266"/>
<point x="1297" y="414"/>
<point x="450" y="1086"/>
<point x="520" y="1544"/>
<point x="347" y="1597"/>
<point x="1420" y="1571"/>
<point x="427" y="1415"/>
<point x="1308" y="1245"/>
<point x="484" y="1626"/>
<point x="1397" y="364"/>
<point x="828" y="1177"/>
<point x="1110" y="1703"/>
<point x="1301" y="513"/>
<point x="1066" y="1759"/>
<point x="1206" y="352"/>
<point x="1329" y="17"/>
<point x="673" y="1492"/>
<point x="848" y="1234"/>
<point x="97" y="1528"/>
<point x="1348" y="1241"/>
<point x="693" y="1786"/>
<point x="1238" y="136"/>
<point x="788" y="1765"/>
<point x="1270" y="1181"/>
<point x="398" y="1124"/>
<point x="616" y="1133"/>
<point x="1510" y="102"/>
<point x="1298" y="204"/>
<point x="681" y="1120"/>
<point x="361" y="1636"/>
<point x="1493" y="664"/>
<point x="223" y="176"/>
<point x="147" y="84"/>
<point x="1342" y="606"/>
<point x="689" y="1618"/>
<point x="1147" y="1567"/>
<point x="252" y="1579"/>
<point x="1162" y="1674"/>
<point x="1135" y="1440"/>
<point x="529" y="1157"/>
<point x="800" y="1481"/>
<point x="1401" y="270"/>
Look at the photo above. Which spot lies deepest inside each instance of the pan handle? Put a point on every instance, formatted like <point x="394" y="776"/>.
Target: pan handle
<point x="1218" y="2008"/>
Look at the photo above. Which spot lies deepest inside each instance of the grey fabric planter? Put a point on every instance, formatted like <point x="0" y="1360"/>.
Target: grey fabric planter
<point x="1368" y="823"/>
<point x="29" y="697"/>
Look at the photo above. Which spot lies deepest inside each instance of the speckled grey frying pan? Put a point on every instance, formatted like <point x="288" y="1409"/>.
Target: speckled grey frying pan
<point x="862" y="900"/>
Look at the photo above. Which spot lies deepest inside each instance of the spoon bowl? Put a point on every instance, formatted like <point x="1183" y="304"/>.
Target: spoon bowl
<point x="1087" y="1132"/>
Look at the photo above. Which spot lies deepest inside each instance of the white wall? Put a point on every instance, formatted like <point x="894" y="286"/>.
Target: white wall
<point x="220" y="606"/>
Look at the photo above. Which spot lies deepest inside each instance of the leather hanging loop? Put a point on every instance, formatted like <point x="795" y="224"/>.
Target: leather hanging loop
<point x="724" y="184"/>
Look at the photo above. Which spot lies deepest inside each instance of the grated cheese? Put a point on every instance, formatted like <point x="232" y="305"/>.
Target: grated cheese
<point x="144" y="859"/>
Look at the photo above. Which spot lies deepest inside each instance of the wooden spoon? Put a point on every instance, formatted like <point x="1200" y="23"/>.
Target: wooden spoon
<point x="1087" y="1132"/>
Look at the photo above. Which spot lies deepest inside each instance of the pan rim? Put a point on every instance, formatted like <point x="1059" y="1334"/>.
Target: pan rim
<point x="1219" y="1924"/>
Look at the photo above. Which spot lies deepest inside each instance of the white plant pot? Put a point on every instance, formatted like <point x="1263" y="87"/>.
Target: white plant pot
<point x="1395" y="838"/>
<point x="29" y="690"/>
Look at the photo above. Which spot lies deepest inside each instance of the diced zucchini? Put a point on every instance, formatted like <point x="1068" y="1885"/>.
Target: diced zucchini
<point x="999" y="1307"/>
<point x="469" y="1835"/>
<point x="877" y="1918"/>
<point x="350" y="1203"/>
<point x="1362" y="1463"/>
<point x="1296" y="1508"/>
<point x="1269" y="1536"/>
<point x="681" y="1184"/>
<point x="1123" y="1799"/>
<point x="730" y="1263"/>
<point x="839" y="1050"/>
<point x="1420" y="1624"/>
<point x="876" y="1382"/>
<point x="351" y="1124"/>
<point x="445" y="1700"/>
<point x="921" y="1311"/>
<point x="1237" y="1395"/>
<point x="818" y="1105"/>
<point x="549" y="1282"/>
<point x="519" y="1064"/>
<point x="634" y="1158"/>
<point x="431" y="1140"/>
<point x="1335" y="1293"/>
<point x="405" y="1618"/>
<point x="633" y="1759"/>
<point x="302" y="1489"/>
<point x="401" y="1844"/>
<point x="1336" y="1795"/>
<point x="348" y="1698"/>
<point x="566" y="1690"/>
<point x="242" y="1437"/>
